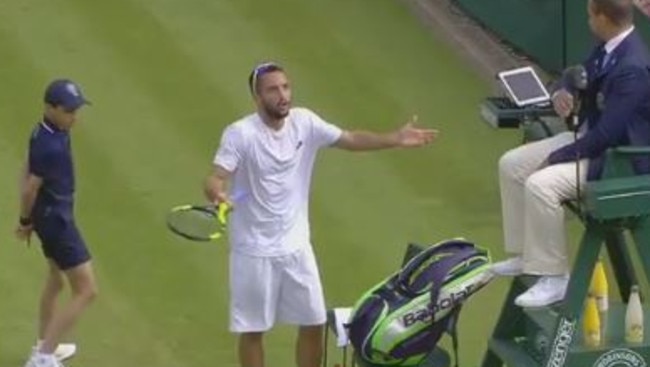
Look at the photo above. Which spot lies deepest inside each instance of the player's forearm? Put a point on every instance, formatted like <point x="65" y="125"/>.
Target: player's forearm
<point x="28" y="192"/>
<point x="212" y="188"/>
<point x="366" y="140"/>
<point x="27" y="203"/>
<point x="215" y="188"/>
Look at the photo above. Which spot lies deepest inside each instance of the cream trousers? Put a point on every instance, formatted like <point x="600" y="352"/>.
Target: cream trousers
<point x="531" y="203"/>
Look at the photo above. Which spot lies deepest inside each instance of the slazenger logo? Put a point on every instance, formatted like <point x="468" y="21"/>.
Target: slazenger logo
<point x="620" y="357"/>
<point x="561" y="343"/>
<point x="426" y="313"/>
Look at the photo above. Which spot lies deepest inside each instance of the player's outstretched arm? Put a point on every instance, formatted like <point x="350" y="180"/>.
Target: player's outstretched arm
<point x="408" y="136"/>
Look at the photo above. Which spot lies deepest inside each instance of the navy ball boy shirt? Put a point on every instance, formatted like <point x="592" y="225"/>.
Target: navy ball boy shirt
<point x="50" y="158"/>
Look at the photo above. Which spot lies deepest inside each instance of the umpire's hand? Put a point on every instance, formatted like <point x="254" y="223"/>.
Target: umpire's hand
<point x="563" y="103"/>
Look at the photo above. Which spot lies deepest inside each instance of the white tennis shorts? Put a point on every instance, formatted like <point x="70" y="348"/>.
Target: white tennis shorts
<point x="266" y="290"/>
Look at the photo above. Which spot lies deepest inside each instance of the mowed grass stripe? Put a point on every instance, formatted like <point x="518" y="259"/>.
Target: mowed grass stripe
<point x="222" y="44"/>
<point x="186" y="98"/>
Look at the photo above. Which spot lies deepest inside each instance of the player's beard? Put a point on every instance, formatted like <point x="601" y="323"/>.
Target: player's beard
<point x="277" y="112"/>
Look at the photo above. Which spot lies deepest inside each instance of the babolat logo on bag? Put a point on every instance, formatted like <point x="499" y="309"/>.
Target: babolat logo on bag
<point x="443" y="303"/>
<point x="400" y="320"/>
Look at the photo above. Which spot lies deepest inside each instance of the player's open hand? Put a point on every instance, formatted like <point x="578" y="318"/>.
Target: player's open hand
<point x="24" y="233"/>
<point x="410" y="136"/>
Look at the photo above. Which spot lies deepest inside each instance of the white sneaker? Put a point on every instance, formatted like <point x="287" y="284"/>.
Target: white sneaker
<point x="62" y="352"/>
<point x="512" y="267"/>
<point x="65" y="351"/>
<point x="546" y="291"/>
<point x="43" y="360"/>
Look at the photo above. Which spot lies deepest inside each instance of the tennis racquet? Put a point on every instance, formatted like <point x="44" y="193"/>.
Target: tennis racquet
<point x="199" y="223"/>
<point x="202" y="222"/>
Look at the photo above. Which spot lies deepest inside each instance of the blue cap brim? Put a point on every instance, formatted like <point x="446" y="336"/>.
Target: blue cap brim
<point x="77" y="104"/>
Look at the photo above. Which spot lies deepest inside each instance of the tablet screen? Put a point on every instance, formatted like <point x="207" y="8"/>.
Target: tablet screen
<point x="524" y="87"/>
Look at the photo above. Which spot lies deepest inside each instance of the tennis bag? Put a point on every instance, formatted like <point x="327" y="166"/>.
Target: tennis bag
<point x="399" y="321"/>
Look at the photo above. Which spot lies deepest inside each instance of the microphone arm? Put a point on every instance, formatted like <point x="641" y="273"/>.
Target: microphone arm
<point x="576" y="77"/>
<point x="575" y="124"/>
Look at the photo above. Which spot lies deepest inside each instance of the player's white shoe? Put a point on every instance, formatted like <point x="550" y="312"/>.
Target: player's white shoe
<point x="65" y="351"/>
<point x="43" y="360"/>
<point x="62" y="352"/>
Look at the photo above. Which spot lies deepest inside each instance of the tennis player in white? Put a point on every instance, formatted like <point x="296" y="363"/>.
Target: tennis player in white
<point x="268" y="156"/>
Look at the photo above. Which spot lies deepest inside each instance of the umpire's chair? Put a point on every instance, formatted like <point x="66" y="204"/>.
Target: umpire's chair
<point x="552" y="336"/>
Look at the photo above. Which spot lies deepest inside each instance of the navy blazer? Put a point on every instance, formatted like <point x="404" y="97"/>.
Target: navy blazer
<point x="615" y="106"/>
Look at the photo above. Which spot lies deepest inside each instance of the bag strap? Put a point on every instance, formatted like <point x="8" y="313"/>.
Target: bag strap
<point x="460" y="249"/>
<point x="444" y="267"/>
<point x="438" y="273"/>
<point x="441" y="273"/>
<point x="453" y="332"/>
<point x="449" y="245"/>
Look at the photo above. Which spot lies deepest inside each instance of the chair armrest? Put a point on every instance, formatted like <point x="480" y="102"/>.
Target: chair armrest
<point x="619" y="160"/>
<point x="632" y="150"/>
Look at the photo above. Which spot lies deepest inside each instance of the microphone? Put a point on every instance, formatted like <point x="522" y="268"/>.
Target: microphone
<point x="577" y="77"/>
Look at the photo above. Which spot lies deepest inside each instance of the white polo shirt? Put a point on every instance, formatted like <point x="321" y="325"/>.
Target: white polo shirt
<point x="272" y="169"/>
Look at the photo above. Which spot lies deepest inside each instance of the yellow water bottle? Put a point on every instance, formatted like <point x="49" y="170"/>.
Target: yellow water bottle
<point x="591" y="322"/>
<point x="599" y="288"/>
<point x="634" y="318"/>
